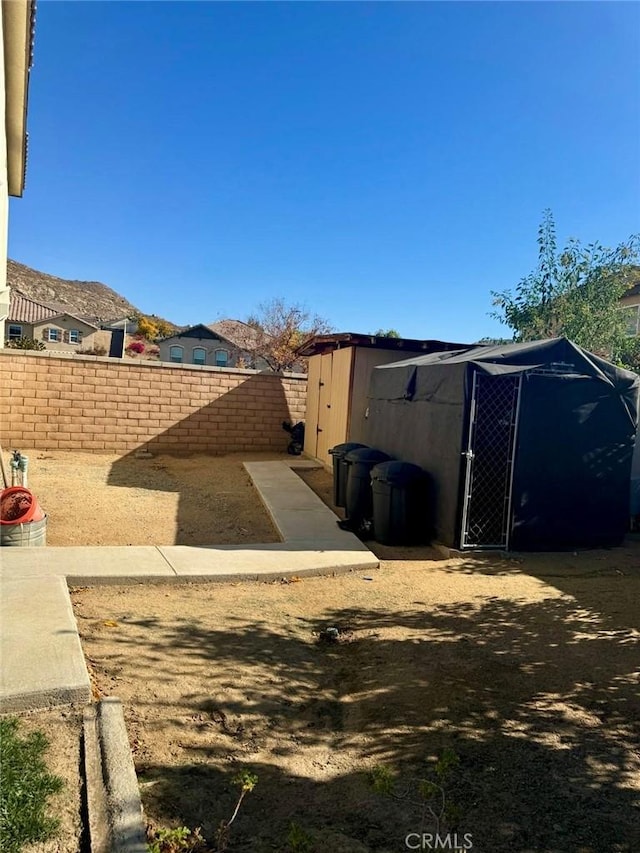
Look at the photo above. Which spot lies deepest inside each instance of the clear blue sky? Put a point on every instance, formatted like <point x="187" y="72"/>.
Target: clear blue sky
<point x="387" y="164"/>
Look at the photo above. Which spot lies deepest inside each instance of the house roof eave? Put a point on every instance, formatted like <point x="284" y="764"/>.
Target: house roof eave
<point x="18" y="25"/>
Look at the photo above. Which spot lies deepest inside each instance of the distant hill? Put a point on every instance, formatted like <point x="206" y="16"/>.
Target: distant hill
<point x="89" y="299"/>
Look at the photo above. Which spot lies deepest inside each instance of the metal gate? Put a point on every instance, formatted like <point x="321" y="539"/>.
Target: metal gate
<point x="493" y="425"/>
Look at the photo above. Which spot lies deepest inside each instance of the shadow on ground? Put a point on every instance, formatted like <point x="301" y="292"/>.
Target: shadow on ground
<point x="537" y="696"/>
<point x="214" y="512"/>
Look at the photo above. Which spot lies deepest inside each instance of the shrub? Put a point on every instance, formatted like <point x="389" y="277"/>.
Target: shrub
<point x="135" y="347"/>
<point x="25" y="786"/>
<point x="96" y="350"/>
<point x="26" y="343"/>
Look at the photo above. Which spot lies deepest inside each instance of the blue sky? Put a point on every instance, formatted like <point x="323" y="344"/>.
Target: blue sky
<point x="386" y="164"/>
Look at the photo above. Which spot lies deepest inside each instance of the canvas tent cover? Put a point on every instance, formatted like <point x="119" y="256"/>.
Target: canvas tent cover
<point x="577" y="425"/>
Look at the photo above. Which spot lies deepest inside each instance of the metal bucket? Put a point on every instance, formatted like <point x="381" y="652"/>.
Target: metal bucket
<point x="28" y="534"/>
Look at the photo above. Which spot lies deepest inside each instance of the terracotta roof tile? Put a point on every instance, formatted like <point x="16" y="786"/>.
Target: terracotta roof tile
<point x="22" y="309"/>
<point x="236" y="332"/>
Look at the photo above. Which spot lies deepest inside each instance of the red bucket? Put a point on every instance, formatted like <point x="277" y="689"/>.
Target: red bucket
<point x="18" y="505"/>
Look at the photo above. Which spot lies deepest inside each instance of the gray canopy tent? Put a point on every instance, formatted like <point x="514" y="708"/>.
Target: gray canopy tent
<point x="528" y="446"/>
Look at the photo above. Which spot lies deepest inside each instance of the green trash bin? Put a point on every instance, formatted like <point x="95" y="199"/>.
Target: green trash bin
<point x="340" y="470"/>
<point x="359" y="500"/>
<point x="401" y="506"/>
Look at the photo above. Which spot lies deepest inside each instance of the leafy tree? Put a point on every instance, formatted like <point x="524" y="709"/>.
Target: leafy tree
<point x="277" y="330"/>
<point x="389" y="333"/>
<point x="630" y="354"/>
<point x="151" y="327"/>
<point x="573" y="293"/>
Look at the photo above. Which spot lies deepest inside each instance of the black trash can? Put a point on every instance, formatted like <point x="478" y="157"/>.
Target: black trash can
<point x="401" y="511"/>
<point x="340" y="470"/>
<point x="359" y="502"/>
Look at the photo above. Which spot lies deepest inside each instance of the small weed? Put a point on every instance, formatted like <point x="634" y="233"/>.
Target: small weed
<point x="25" y="787"/>
<point x="428" y="794"/>
<point x="246" y="781"/>
<point x="299" y="840"/>
<point x="179" y="840"/>
<point x="185" y="840"/>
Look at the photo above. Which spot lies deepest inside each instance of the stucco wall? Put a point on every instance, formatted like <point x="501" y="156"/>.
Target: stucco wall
<point x="90" y="337"/>
<point x="188" y="344"/>
<point x="4" y="197"/>
<point x="74" y="403"/>
<point x="62" y="324"/>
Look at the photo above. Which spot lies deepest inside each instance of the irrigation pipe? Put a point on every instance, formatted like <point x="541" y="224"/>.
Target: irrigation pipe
<point x="4" y="470"/>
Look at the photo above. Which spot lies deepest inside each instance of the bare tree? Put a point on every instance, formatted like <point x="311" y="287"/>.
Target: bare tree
<point x="279" y="329"/>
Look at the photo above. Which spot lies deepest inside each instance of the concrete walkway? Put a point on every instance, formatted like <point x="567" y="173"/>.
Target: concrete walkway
<point x="40" y="653"/>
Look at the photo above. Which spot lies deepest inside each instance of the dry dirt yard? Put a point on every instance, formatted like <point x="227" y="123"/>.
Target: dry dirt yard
<point x="102" y="499"/>
<point x="525" y="667"/>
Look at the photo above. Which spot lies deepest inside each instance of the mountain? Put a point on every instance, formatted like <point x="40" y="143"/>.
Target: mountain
<point x="89" y="299"/>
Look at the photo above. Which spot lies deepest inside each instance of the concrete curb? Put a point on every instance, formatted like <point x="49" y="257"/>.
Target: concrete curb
<point x="97" y="816"/>
<point x="115" y="817"/>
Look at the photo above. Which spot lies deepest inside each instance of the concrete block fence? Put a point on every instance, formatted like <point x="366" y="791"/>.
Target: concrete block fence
<point x="53" y="402"/>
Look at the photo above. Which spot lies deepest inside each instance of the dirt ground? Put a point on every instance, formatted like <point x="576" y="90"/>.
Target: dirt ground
<point x="526" y="668"/>
<point x="101" y="499"/>
<point x="62" y="727"/>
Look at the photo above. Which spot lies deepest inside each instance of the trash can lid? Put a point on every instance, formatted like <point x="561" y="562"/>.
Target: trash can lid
<point x="397" y="473"/>
<point x="366" y="454"/>
<point x="343" y="449"/>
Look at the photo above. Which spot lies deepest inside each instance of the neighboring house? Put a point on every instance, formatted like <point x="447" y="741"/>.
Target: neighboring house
<point x="227" y="343"/>
<point x="16" y="46"/>
<point x="631" y="305"/>
<point x="58" y="330"/>
<point x="125" y="324"/>
<point x="120" y="331"/>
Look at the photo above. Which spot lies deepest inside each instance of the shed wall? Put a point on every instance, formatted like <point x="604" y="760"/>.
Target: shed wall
<point x="429" y="434"/>
<point x="366" y="360"/>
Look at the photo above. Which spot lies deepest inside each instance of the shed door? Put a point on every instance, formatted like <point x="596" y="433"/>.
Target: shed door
<point x="339" y="402"/>
<point x="328" y="402"/>
<point x="493" y="424"/>
<point x="313" y="399"/>
<point x="324" y="408"/>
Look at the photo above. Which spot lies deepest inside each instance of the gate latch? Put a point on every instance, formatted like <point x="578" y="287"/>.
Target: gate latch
<point x="467" y="453"/>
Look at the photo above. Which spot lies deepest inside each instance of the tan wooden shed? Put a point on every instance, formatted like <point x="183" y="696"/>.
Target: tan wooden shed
<point x="340" y="367"/>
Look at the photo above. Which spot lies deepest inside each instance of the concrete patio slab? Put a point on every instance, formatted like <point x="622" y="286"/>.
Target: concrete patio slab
<point x="265" y="562"/>
<point x="123" y="563"/>
<point x="42" y="660"/>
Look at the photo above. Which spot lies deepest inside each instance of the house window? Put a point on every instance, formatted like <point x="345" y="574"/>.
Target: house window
<point x="199" y="355"/>
<point x="15" y="333"/>
<point x="74" y="336"/>
<point x="175" y="354"/>
<point x="222" y="358"/>
<point x="632" y="315"/>
<point x="54" y="335"/>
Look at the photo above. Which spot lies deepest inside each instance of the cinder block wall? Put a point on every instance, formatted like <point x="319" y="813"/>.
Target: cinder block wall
<point x="103" y="404"/>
